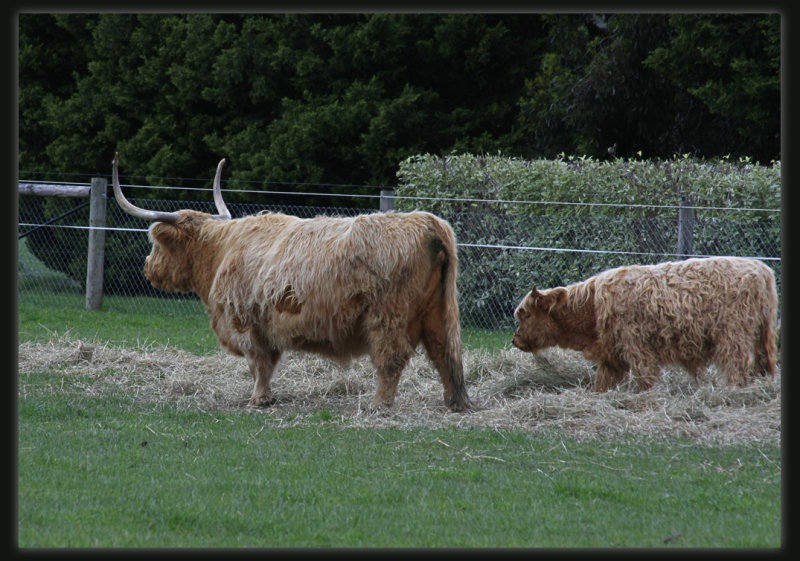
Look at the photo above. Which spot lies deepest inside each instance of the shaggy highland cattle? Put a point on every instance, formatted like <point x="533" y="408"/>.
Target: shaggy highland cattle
<point x="340" y="287"/>
<point x="690" y="313"/>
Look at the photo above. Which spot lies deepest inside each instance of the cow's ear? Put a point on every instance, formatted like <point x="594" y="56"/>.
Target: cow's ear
<point x="554" y="298"/>
<point x="165" y="234"/>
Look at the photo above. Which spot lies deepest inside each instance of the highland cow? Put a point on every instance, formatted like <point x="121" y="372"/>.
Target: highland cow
<point x="691" y="313"/>
<point x="341" y="287"/>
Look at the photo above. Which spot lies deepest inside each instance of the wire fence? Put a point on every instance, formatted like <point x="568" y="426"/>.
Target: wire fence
<point x="503" y="251"/>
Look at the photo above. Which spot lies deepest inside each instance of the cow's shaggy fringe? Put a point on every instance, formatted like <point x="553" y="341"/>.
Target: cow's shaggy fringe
<point x="512" y="391"/>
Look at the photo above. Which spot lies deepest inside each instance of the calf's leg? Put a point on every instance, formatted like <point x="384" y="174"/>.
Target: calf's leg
<point x="610" y="372"/>
<point x="606" y="374"/>
<point x="645" y="368"/>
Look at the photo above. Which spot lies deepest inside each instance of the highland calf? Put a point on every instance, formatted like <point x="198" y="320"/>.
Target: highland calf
<point x="690" y="313"/>
<point x="341" y="287"/>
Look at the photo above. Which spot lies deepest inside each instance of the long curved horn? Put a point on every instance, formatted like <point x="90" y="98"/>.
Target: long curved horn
<point x="220" y="204"/>
<point x="130" y="208"/>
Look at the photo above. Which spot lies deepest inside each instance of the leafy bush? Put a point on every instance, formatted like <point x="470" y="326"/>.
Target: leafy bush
<point x="583" y="216"/>
<point x="586" y="180"/>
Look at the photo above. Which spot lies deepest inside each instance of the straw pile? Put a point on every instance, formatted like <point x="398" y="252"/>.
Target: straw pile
<point x="511" y="390"/>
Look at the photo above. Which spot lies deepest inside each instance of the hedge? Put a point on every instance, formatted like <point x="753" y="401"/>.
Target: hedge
<point x="585" y="216"/>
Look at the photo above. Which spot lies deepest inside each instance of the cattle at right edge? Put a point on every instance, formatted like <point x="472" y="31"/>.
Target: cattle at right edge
<point x="692" y="313"/>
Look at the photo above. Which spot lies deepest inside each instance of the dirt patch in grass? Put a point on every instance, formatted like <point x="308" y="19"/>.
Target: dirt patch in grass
<point x="510" y="389"/>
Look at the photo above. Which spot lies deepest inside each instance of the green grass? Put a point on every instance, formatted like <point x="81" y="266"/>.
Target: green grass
<point x="119" y="325"/>
<point x="113" y="472"/>
<point x="483" y="339"/>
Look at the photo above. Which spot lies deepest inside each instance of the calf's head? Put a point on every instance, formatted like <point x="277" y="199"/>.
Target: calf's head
<point x="172" y="262"/>
<point x="537" y="314"/>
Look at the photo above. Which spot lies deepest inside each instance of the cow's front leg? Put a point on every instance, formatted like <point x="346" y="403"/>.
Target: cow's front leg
<point x="262" y="365"/>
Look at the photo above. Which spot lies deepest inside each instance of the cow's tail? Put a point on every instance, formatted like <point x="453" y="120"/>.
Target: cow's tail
<point x="459" y="400"/>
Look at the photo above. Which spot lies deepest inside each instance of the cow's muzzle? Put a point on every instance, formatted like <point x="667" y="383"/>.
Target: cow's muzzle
<point x="517" y="341"/>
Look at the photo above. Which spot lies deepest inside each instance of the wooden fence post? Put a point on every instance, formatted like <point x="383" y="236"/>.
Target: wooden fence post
<point x="97" y="244"/>
<point x="387" y="200"/>
<point x="685" y="228"/>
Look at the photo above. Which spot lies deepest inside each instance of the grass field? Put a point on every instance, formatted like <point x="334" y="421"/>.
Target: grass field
<point x="132" y="433"/>
<point x="109" y="472"/>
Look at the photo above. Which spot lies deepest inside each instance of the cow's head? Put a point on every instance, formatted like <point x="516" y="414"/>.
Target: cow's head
<point x="170" y="265"/>
<point x="538" y="326"/>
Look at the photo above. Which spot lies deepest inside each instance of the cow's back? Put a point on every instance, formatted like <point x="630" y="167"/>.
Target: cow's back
<point x="308" y="283"/>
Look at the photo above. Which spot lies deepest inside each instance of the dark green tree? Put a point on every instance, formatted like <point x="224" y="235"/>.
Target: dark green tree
<point x="47" y="71"/>
<point x="336" y="98"/>
<point x="351" y="96"/>
<point x="341" y="98"/>
<point x="729" y="63"/>
<point x="547" y="106"/>
<point x="656" y="85"/>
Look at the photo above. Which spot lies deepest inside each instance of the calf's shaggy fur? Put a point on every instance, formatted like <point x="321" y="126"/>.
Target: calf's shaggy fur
<point x="690" y="313"/>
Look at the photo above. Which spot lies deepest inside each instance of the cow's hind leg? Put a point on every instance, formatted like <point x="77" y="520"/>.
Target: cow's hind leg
<point x="262" y="365"/>
<point x="735" y="361"/>
<point x="766" y="349"/>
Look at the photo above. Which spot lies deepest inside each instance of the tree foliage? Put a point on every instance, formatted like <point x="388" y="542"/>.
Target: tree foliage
<point x="731" y="64"/>
<point x="287" y="97"/>
<point x="656" y="85"/>
<point x="343" y="98"/>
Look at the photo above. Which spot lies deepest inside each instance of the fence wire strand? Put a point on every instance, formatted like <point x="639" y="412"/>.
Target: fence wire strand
<point x="501" y="254"/>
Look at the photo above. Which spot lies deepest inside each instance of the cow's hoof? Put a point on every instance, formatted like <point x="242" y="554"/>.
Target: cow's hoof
<point x="458" y="402"/>
<point x="460" y="407"/>
<point x="378" y="407"/>
<point x="261" y="401"/>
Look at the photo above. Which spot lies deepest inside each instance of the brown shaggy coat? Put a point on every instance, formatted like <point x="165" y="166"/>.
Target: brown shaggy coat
<point x="341" y="287"/>
<point x="689" y="313"/>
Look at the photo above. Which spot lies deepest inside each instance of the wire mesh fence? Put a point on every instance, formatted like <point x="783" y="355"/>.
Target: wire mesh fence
<point x="502" y="253"/>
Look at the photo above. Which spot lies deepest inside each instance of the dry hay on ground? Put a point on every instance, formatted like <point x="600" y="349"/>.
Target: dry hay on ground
<point x="511" y="390"/>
